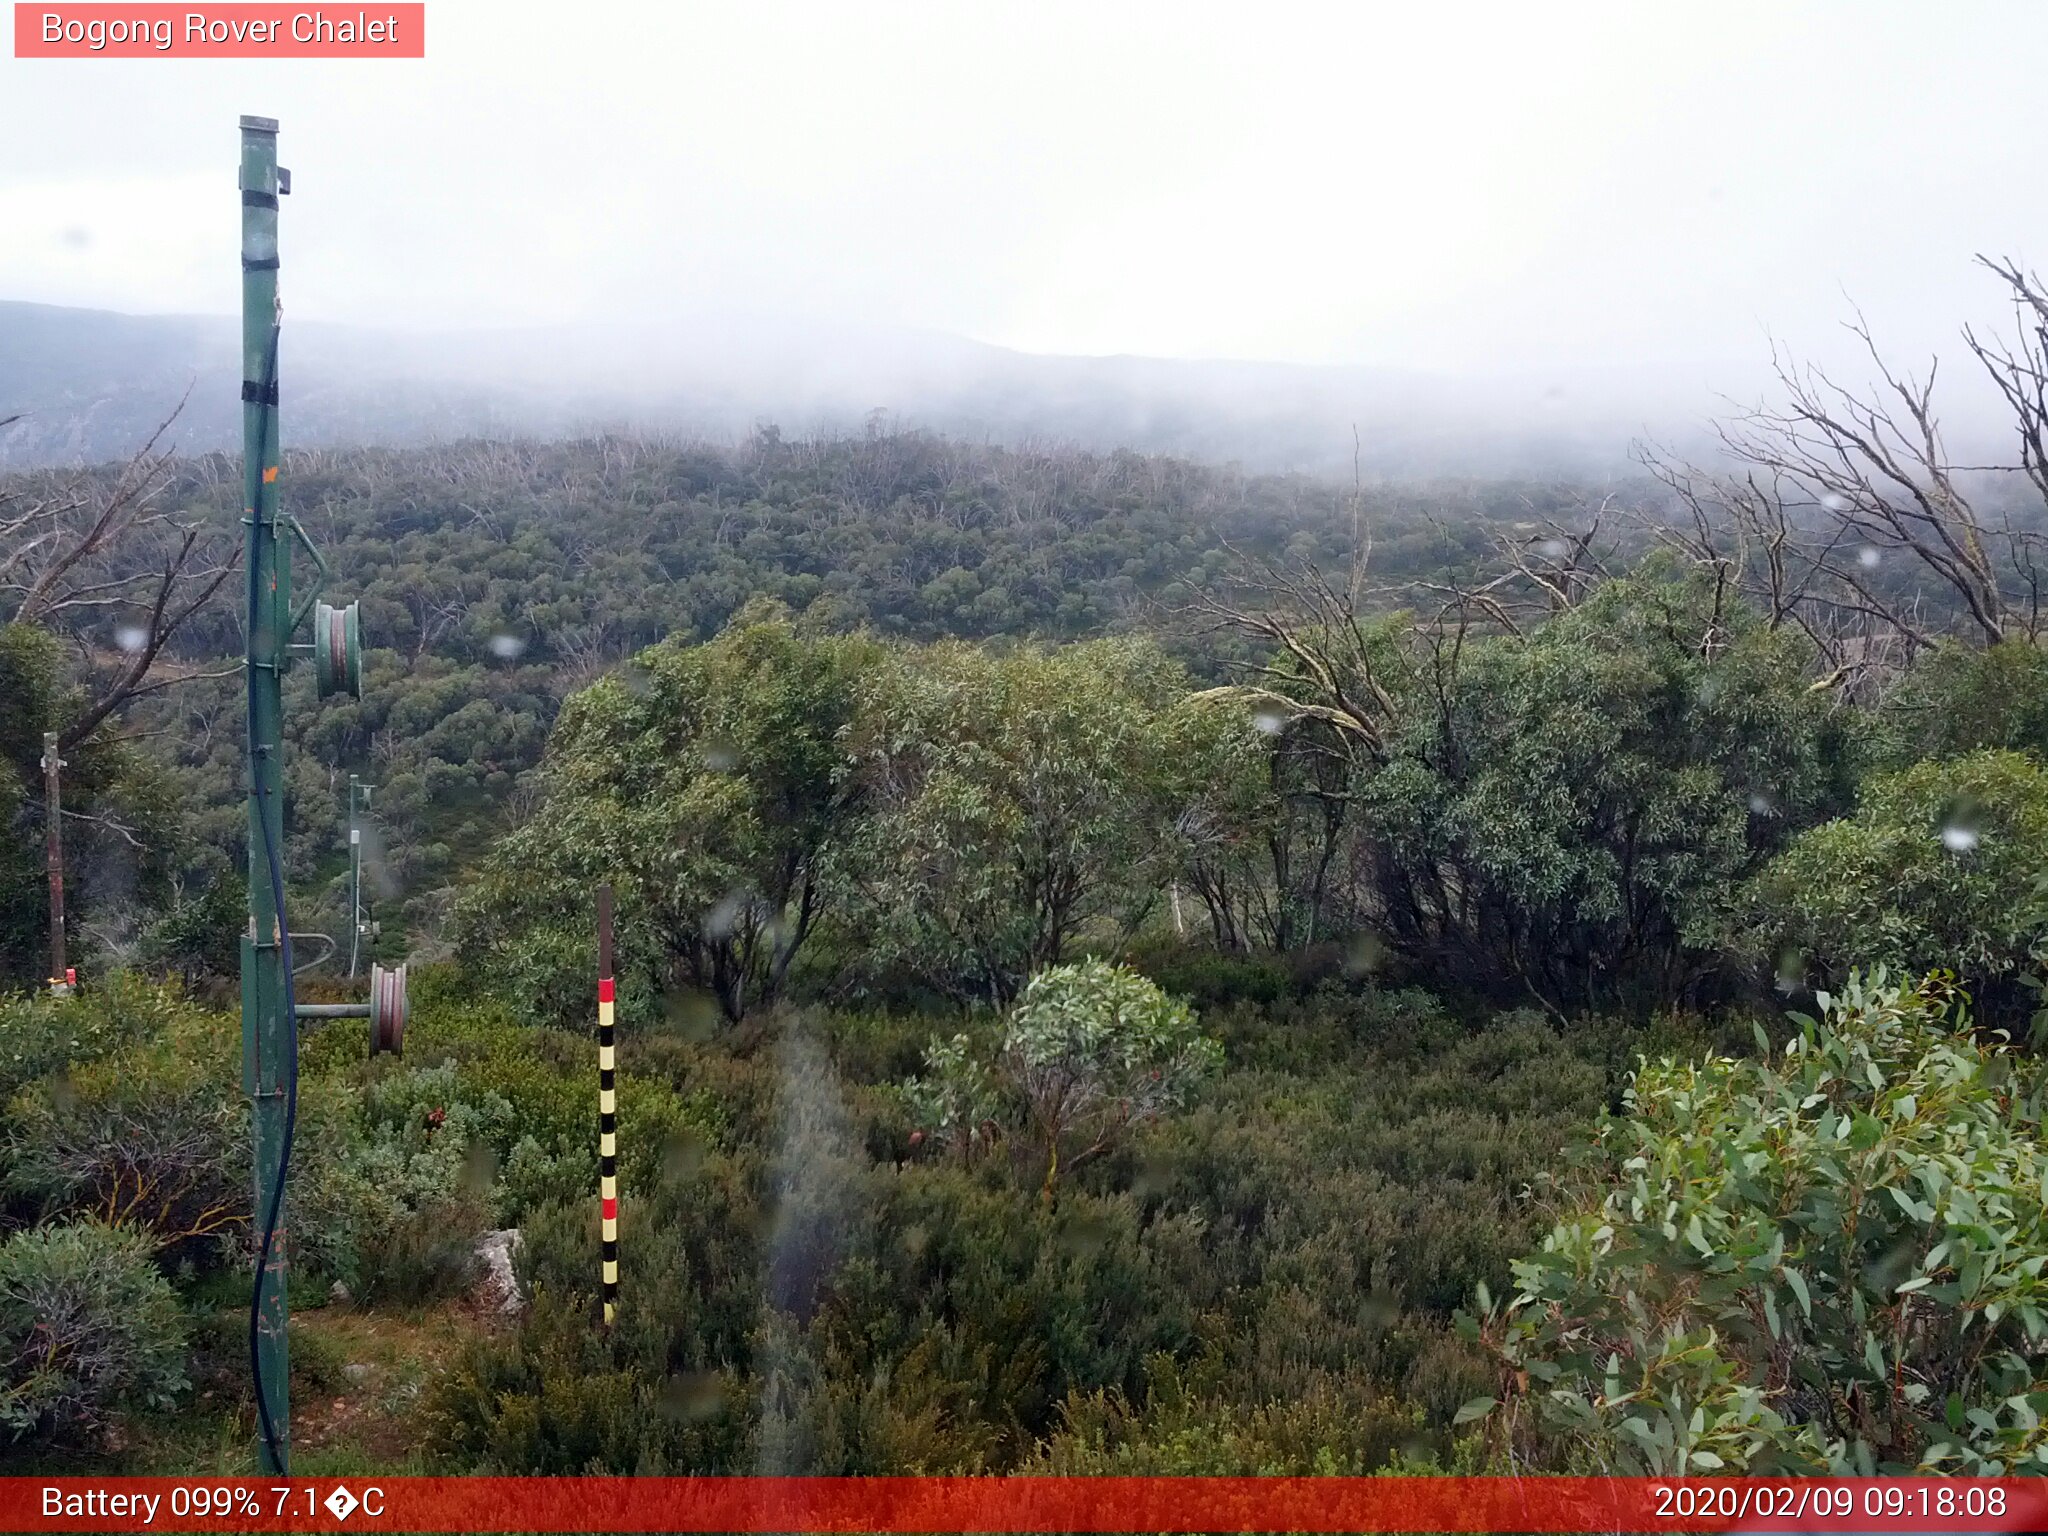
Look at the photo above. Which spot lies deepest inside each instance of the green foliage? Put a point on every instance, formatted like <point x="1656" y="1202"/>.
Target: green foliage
<point x="1577" y="812"/>
<point x="1961" y="699"/>
<point x="957" y="1099"/>
<point x="152" y="1137"/>
<point x="41" y="1034"/>
<point x="1094" y="1049"/>
<point x="1090" y="1051"/>
<point x="199" y="935"/>
<point x="1118" y="1272"/>
<point x="1184" y="1431"/>
<point x="124" y="831"/>
<point x="1258" y="799"/>
<point x="1828" y="1259"/>
<point x="88" y="1329"/>
<point x="706" y="787"/>
<point x="146" y="1129"/>
<point x="496" y="579"/>
<point x="1008" y="805"/>
<point x="1261" y="1280"/>
<point x="1214" y="978"/>
<point x="1940" y="866"/>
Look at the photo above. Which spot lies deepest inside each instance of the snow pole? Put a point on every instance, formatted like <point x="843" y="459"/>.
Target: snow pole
<point x="607" y="1109"/>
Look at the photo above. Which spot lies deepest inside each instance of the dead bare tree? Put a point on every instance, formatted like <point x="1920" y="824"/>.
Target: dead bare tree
<point x="584" y="652"/>
<point x="1332" y="667"/>
<point x="1747" y="533"/>
<point x="77" y="552"/>
<point x="1834" y="484"/>
<point x="433" y="615"/>
<point x="2019" y="371"/>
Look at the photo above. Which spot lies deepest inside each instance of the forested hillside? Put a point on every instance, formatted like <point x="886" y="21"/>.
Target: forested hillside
<point x="1122" y="966"/>
<point x="496" y="578"/>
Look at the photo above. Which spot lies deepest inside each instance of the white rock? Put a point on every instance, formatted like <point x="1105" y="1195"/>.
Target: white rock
<point x="500" y="1286"/>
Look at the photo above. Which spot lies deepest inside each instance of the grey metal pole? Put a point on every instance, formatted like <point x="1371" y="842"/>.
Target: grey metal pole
<point x="358" y="928"/>
<point x="355" y="881"/>
<point x="53" y="856"/>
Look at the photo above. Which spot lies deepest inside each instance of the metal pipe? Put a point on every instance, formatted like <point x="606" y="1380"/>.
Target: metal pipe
<point x="332" y="1010"/>
<point x="267" y="1031"/>
<point x="356" y="790"/>
<point x="53" y="857"/>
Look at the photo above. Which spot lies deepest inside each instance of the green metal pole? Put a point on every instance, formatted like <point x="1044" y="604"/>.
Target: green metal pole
<point x="266" y="1030"/>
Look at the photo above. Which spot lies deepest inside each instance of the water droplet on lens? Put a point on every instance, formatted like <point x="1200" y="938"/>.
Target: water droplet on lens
<point x="1868" y="557"/>
<point x="693" y="1396"/>
<point x="692" y="1014"/>
<point x="682" y="1155"/>
<point x="1959" y="839"/>
<point x="479" y="1168"/>
<point x="722" y="920"/>
<point x="1366" y="954"/>
<point x="506" y="647"/>
<point x="131" y="637"/>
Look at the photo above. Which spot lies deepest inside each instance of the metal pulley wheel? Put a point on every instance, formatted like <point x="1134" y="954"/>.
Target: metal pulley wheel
<point x="337" y="650"/>
<point x="387" y="1010"/>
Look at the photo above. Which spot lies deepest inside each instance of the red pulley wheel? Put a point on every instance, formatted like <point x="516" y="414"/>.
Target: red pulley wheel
<point x="387" y="1010"/>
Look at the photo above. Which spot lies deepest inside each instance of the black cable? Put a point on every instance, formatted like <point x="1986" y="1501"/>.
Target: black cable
<point x="268" y="404"/>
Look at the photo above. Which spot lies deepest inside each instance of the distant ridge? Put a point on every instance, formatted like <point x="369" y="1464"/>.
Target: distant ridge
<point x="90" y="385"/>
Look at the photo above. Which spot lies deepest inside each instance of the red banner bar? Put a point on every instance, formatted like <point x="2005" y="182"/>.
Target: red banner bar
<point x="1022" y="1504"/>
<point x="375" y="30"/>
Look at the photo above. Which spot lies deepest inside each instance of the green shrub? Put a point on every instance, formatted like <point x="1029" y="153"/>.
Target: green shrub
<point x="154" y="1137"/>
<point x="88" y="1329"/>
<point x="1089" y="1051"/>
<point x="1941" y="867"/>
<point x="1212" y="978"/>
<point x="707" y="786"/>
<point x="1827" y="1260"/>
<point x="1010" y="801"/>
<point x="1191" y="1426"/>
<point x="1963" y="699"/>
<point x="659" y="1391"/>
<point x="422" y="1252"/>
<point x="532" y="1177"/>
<point x="41" y="1034"/>
<point x="1573" y="813"/>
<point x="803" y="1291"/>
<point x="424" y="1167"/>
<point x="198" y="938"/>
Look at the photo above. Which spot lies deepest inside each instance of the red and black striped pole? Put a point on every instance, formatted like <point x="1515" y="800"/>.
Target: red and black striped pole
<point x="607" y="1107"/>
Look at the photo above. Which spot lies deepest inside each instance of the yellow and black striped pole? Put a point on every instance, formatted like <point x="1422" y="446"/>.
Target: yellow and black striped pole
<point x="607" y="1107"/>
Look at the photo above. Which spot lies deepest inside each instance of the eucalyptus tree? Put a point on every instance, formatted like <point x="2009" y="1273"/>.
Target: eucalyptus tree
<point x="707" y="783"/>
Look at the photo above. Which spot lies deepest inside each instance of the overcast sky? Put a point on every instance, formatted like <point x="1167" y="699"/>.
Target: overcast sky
<point x="1426" y="185"/>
